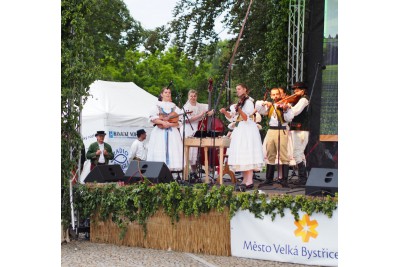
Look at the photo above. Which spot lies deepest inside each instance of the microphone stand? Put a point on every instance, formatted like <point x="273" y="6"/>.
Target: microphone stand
<point x="199" y="166"/>
<point x="185" y="119"/>
<point x="213" y="135"/>
<point x="279" y="136"/>
<point x="315" y="78"/>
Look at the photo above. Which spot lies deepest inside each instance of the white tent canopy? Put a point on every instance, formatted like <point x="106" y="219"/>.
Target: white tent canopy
<point x="120" y="109"/>
<point x="118" y="104"/>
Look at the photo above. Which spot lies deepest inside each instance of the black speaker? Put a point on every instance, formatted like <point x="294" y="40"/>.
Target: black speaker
<point x="322" y="181"/>
<point x="156" y="172"/>
<point x="105" y="174"/>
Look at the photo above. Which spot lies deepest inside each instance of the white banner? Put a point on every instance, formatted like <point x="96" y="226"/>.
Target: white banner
<point x="312" y="240"/>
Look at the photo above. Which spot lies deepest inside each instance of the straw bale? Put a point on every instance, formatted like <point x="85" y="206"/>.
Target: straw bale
<point x="207" y="234"/>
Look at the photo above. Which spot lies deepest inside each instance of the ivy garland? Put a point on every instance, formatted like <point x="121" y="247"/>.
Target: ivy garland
<point x="138" y="202"/>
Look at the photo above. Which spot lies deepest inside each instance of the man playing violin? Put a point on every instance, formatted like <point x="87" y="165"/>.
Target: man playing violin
<point x="279" y="114"/>
<point x="299" y="130"/>
<point x="290" y="142"/>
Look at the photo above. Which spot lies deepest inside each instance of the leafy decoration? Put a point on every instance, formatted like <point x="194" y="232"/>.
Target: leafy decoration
<point x="138" y="202"/>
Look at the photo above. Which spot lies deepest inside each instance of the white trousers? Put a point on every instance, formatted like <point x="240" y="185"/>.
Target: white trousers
<point x="300" y="141"/>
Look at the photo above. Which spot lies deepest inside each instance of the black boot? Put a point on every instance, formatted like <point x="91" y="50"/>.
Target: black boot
<point x="302" y="175"/>
<point x="285" y="174"/>
<point x="269" y="176"/>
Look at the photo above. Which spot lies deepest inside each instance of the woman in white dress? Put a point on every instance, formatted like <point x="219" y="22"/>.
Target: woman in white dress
<point x="245" y="151"/>
<point x="196" y="112"/>
<point x="165" y="142"/>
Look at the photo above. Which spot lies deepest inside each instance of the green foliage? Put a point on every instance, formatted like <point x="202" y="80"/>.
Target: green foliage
<point x="275" y="61"/>
<point x="138" y="202"/>
<point x="261" y="57"/>
<point x="156" y="40"/>
<point x="90" y="31"/>
<point x="78" y="72"/>
<point x="152" y="71"/>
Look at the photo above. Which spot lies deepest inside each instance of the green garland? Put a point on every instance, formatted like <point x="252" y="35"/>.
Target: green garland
<point x="138" y="202"/>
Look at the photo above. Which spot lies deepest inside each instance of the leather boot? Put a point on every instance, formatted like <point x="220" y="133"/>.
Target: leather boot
<point x="285" y="174"/>
<point x="302" y="175"/>
<point x="269" y="176"/>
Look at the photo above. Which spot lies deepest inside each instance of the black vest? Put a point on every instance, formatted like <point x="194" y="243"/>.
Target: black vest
<point x="301" y="121"/>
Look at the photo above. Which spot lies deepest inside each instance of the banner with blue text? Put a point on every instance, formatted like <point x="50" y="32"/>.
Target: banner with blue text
<point x="312" y="240"/>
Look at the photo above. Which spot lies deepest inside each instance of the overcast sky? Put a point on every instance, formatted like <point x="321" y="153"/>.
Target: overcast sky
<point x="155" y="13"/>
<point x="151" y="13"/>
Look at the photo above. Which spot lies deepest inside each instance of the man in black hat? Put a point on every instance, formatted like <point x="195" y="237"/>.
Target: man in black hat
<point x="99" y="153"/>
<point x="138" y="150"/>
<point x="299" y="130"/>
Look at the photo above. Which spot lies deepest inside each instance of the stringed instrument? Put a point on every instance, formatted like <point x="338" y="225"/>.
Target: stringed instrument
<point x="292" y="99"/>
<point x="240" y="103"/>
<point x="172" y="117"/>
<point x="210" y="124"/>
<point x="214" y="127"/>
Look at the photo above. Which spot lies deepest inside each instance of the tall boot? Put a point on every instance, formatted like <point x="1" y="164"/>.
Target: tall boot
<point x="285" y="174"/>
<point x="269" y="176"/>
<point x="302" y="174"/>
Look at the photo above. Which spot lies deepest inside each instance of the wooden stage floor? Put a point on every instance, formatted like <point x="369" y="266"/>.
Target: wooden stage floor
<point x="257" y="179"/>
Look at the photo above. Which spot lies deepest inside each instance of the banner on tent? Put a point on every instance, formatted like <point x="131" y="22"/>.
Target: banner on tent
<point x="122" y="134"/>
<point x="120" y="139"/>
<point x="311" y="240"/>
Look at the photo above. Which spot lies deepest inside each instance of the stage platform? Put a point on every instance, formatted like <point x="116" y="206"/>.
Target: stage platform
<point x="258" y="178"/>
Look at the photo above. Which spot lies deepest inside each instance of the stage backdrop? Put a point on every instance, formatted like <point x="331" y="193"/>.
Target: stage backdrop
<point x="312" y="240"/>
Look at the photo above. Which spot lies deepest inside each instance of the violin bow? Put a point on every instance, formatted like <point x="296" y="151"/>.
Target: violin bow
<point x="233" y="55"/>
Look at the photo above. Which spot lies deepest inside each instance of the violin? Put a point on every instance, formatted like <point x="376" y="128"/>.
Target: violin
<point x="289" y="99"/>
<point x="241" y="102"/>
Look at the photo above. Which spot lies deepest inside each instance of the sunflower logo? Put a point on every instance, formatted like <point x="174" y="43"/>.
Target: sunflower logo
<point x="306" y="228"/>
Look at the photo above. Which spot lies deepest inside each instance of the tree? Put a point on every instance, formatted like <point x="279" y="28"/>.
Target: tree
<point x="262" y="53"/>
<point x="156" y="39"/>
<point x="90" y="31"/>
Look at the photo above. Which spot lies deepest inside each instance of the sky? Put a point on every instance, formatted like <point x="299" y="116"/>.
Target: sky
<point x="155" y="13"/>
<point x="151" y="13"/>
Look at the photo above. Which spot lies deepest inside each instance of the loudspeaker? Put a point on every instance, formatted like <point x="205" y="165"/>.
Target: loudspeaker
<point x="156" y="172"/>
<point x="105" y="174"/>
<point x="322" y="181"/>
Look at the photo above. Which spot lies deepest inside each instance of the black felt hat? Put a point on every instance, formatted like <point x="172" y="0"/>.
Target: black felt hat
<point x="100" y="133"/>
<point x="140" y="132"/>
<point x="299" y="85"/>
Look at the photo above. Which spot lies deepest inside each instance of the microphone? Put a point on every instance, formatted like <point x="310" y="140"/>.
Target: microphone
<point x="322" y="66"/>
<point x="169" y="85"/>
<point x="178" y="96"/>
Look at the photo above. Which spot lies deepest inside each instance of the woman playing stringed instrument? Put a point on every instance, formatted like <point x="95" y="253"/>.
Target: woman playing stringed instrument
<point x="165" y="142"/>
<point x="245" y="150"/>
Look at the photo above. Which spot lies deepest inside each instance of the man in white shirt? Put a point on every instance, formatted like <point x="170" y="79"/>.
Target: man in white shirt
<point x="138" y="150"/>
<point x="279" y="115"/>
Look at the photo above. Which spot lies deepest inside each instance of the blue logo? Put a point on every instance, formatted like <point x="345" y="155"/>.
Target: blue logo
<point x="110" y="134"/>
<point x="121" y="158"/>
